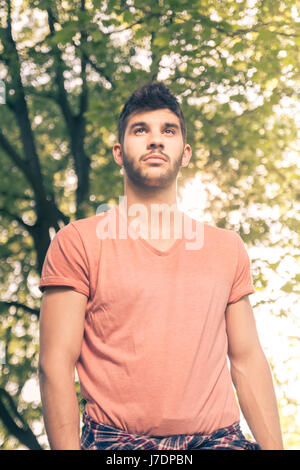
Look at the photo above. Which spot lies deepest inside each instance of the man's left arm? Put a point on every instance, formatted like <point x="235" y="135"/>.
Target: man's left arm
<point x="251" y="376"/>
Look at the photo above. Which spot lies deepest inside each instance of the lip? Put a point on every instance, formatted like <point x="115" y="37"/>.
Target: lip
<point x="155" y="157"/>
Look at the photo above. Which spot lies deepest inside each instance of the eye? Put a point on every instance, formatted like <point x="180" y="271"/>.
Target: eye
<point x="170" y="131"/>
<point x="139" y="130"/>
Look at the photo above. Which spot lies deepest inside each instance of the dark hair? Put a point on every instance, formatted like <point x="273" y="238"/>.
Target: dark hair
<point x="151" y="96"/>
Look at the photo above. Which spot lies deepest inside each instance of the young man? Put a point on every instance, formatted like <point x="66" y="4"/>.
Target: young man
<point x="148" y="317"/>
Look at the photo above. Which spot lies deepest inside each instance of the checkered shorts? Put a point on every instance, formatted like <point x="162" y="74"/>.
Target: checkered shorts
<point x="96" y="436"/>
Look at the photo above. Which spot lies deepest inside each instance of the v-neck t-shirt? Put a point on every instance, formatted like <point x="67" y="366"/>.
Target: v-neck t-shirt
<point x="154" y="352"/>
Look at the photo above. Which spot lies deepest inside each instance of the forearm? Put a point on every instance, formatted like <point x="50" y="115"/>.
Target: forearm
<point x="60" y="408"/>
<point x="254" y="385"/>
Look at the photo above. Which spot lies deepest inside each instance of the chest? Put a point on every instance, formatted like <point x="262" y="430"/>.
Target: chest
<point x="161" y="244"/>
<point x="133" y="275"/>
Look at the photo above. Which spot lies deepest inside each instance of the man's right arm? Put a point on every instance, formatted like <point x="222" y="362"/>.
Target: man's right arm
<point x="61" y="332"/>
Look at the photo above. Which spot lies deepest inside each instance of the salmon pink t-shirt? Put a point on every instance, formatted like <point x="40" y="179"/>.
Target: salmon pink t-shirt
<point x="154" y="352"/>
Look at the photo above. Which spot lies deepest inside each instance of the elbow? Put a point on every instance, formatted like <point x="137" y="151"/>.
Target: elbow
<point x="238" y="369"/>
<point x="45" y="372"/>
<point x="42" y="370"/>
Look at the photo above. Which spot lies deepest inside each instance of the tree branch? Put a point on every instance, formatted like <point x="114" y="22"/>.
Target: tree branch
<point x="83" y="101"/>
<point x="32" y="311"/>
<point x="30" y="165"/>
<point x="45" y="207"/>
<point x="24" y="434"/>
<point x="25" y="169"/>
<point x="13" y="154"/>
<point x="99" y="70"/>
<point x="59" y="78"/>
<point x="75" y="123"/>
<point x="17" y="218"/>
<point x="48" y="95"/>
<point x="121" y="30"/>
<point x="241" y="31"/>
<point x="23" y="197"/>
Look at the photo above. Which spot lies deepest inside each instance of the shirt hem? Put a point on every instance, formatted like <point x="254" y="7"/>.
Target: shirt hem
<point x="240" y="295"/>
<point x="57" y="281"/>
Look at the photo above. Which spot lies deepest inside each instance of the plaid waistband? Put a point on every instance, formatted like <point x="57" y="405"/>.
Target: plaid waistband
<point x="102" y="436"/>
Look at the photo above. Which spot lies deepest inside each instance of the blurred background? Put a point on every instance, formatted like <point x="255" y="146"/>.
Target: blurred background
<point x="66" y="69"/>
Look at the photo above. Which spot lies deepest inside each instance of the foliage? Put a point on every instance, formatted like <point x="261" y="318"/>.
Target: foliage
<point x="68" y="68"/>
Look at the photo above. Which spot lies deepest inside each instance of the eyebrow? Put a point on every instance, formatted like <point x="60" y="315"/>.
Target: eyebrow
<point x="142" y="123"/>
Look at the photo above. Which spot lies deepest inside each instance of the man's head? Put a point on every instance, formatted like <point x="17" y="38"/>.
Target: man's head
<point x="149" y="97"/>
<point x="152" y="138"/>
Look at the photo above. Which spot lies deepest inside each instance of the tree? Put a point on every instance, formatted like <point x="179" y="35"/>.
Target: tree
<point x="68" y="68"/>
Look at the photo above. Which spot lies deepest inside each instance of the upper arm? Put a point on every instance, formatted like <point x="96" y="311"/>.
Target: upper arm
<point x="61" y="326"/>
<point x="241" y="329"/>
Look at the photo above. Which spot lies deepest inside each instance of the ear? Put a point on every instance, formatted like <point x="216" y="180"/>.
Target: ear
<point x="187" y="154"/>
<point x="117" y="153"/>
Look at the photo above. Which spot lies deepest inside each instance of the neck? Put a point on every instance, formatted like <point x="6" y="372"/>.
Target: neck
<point x="149" y="196"/>
<point x="151" y="205"/>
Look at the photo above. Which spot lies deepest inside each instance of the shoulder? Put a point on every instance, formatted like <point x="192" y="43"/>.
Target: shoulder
<point x="211" y="232"/>
<point x="227" y="246"/>
<point x="222" y="237"/>
<point x="87" y="224"/>
<point x="218" y="242"/>
<point x="85" y="228"/>
<point x="219" y="232"/>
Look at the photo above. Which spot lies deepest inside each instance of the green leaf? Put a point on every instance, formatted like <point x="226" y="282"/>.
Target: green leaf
<point x="266" y="36"/>
<point x="162" y="39"/>
<point x="128" y="16"/>
<point x="288" y="287"/>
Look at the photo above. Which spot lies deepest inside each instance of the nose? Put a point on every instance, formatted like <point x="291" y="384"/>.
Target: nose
<point x="155" y="141"/>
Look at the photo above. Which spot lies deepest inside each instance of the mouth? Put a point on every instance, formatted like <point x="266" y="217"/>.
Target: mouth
<point x="155" y="158"/>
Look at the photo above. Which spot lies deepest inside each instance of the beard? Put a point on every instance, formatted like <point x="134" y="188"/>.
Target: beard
<point x="160" y="177"/>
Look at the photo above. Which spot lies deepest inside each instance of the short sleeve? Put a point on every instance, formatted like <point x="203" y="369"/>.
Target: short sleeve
<point x="242" y="284"/>
<point x="66" y="262"/>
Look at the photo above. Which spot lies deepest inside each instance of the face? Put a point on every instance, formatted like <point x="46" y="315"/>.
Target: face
<point x="153" y="150"/>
